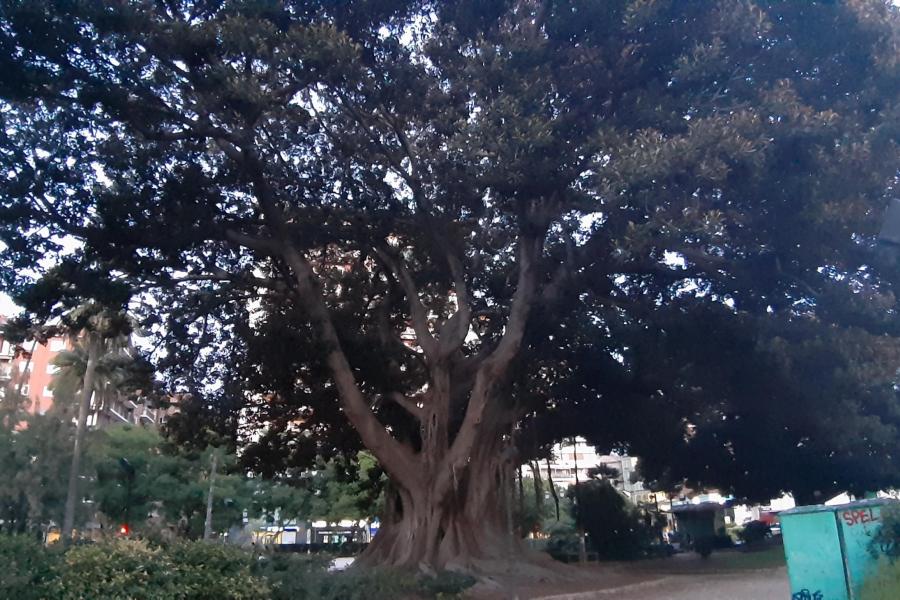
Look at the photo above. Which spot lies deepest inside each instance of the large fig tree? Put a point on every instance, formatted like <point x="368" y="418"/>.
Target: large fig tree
<point x="402" y="191"/>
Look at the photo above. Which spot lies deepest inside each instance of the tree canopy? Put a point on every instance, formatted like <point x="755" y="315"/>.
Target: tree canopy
<point x="399" y="224"/>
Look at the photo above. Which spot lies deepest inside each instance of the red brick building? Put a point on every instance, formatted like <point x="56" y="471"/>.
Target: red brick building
<point x="31" y="365"/>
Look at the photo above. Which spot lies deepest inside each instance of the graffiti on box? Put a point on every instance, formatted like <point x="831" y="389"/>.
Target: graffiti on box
<point x="807" y="595"/>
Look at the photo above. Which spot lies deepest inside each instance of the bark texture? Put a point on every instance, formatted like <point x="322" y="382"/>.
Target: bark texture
<point x="87" y="391"/>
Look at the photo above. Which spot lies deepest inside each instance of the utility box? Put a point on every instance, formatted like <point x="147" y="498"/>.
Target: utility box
<point x="829" y="548"/>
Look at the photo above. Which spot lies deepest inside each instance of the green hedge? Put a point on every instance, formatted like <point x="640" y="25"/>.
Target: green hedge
<point x="884" y="584"/>
<point x="28" y="571"/>
<point x="135" y="570"/>
<point x="139" y="570"/>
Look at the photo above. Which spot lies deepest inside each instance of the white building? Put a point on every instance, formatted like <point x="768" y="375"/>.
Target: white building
<point x="578" y="456"/>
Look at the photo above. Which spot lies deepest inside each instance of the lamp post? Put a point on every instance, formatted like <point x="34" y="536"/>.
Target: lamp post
<point x="128" y="469"/>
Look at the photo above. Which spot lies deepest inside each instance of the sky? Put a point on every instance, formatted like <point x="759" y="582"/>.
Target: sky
<point x="7" y="306"/>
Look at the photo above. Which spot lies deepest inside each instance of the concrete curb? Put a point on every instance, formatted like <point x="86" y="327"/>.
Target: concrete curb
<point x="590" y="595"/>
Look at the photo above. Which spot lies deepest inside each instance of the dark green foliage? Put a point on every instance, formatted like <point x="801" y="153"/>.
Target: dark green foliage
<point x="563" y="544"/>
<point x="755" y="532"/>
<point x="134" y="569"/>
<point x="29" y="569"/>
<point x="198" y="571"/>
<point x="293" y="576"/>
<point x="615" y="528"/>
<point x="446" y="584"/>
<point x="704" y="545"/>
<point x="655" y="219"/>
<point x="886" y="541"/>
<point x="34" y="459"/>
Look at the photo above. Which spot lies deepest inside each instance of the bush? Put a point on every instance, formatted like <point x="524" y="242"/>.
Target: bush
<point x="755" y="532"/>
<point x="213" y="572"/>
<point x="120" y="569"/>
<point x="563" y="542"/>
<point x="306" y="577"/>
<point x="28" y="569"/>
<point x="883" y="584"/>
<point x="886" y="540"/>
<point x="369" y="584"/>
<point x="294" y="576"/>
<point x="136" y="570"/>
<point x="704" y="545"/>
<point x="722" y="541"/>
<point x="139" y="570"/>
<point x="615" y="529"/>
<point x="445" y="584"/>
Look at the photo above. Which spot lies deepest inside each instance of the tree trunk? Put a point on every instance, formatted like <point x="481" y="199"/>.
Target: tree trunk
<point x="87" y="390"/>
<point x="449" y="498"/>
<point x="538" y="489"/>
<point x="207" y="524"/>
<point x="458" y="522"/>
<point x="552" y="485"/>
<point x="582" y="551"/>
<point x="522" y="532"/>
<point x="463" y="531"/>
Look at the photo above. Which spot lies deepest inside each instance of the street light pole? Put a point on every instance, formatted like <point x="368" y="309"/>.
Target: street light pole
<point x="207" y="525"/>
<point x="128" y="469"/>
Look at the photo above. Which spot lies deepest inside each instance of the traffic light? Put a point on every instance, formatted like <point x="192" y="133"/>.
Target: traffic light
<point x="124" y="529"/>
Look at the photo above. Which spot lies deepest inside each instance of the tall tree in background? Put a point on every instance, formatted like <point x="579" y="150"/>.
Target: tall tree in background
<point x="393" y="197"/>
<point x="100" y="332"/>
<point x="35" y="456"/>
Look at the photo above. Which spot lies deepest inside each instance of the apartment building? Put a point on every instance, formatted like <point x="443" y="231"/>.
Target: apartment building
<point x="577" y="456"/>
<point x="29" y="367"/>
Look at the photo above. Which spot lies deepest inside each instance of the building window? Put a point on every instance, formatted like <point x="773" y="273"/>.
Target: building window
<point x="52" y="369"/>
<point x="57" y="344"/>
<point x="48" y="393"/>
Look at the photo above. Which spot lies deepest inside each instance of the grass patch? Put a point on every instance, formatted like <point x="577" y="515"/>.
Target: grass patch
<point x="721" y="561"/>
<point x="770" y="558"/>
<point x="883" y="585"/>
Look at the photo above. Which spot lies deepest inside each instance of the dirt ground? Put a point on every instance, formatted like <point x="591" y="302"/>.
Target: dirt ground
<point x="753" y="585"/>
<point x="726" y="576"/>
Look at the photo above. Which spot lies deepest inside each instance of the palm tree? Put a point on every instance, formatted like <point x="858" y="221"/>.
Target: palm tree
<point x="100" y="352"/>
<point x="112" y="372"/>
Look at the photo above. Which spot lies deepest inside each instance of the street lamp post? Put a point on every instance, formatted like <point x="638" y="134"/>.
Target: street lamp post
<point x="128" y="469"/>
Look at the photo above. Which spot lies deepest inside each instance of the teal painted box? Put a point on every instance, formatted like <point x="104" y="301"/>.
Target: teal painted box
<point x="828" y="548"/>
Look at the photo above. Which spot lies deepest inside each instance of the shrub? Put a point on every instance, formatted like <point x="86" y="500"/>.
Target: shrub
<point x="445" y="584"/>
<point x="294" y="576"/>
<point x="615" y="529"/>
<point x="213" y="572"/>
<point x="28" y="569"/>
<point x="884" y="584"/>
<point x="722" y="541"/>
<point x="119" y="569"/>
<point x="563" y="542"/>
<point x="136" y="570"/>
<point x="368" y="584"/>
<point x="886" y="540"/>
<point x="139" y="570"/>
<point x="755" y="532"/>
<point x="704" y="545"/>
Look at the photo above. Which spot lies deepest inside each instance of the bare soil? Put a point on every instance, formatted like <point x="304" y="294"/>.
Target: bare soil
<point x="727" y="575"/>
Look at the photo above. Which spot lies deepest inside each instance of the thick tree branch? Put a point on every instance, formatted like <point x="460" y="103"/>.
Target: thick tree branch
<point x="493" y="368"/>
<point x="397" y="459"/>
<point x="408" y="404"/>
<point x="456" y="328"/>
<point x="418" y="313"/>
